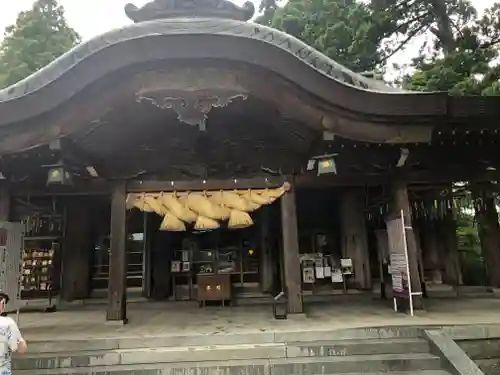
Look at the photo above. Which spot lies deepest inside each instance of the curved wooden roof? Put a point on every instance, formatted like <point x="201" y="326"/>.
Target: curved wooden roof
<point x="221" y="39"/>
<point x="360" y="103"/>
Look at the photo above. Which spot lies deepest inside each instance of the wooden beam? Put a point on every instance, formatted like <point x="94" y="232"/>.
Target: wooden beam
<point x="437" y="176"/>
<point x="89" y="187"/>
<point x="291" y="257"/>
<point x="117" y="300"/>
<point x="245" y="183"/>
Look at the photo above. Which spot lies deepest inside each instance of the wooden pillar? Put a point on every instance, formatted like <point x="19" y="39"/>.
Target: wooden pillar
<point x="291" y="258"/>
<point x="161" y="256"/>
<point x="77" y="249"/>
<point x="4" y="202"/>
<point x="433" y="252"/>
<point x="417" y="231"/>
<point x="117" y="300"/>
<point x="453" y="268"/>
<point x="266" y="258"/>
<point x="446" y="231"/>
<point x="354" y="237"/>
<point x="401" y="202"/>
<point x="147" y="264"/>
<point x="383" y="259"/>
<point x="489" y="235"/>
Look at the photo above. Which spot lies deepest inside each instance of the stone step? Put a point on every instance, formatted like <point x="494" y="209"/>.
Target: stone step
<point x="159" y="372"/>
<point x="291" y="366"/>
<point x="357" y="347"/>
<point x="112" y="357"/>
<point x="147" y="356"/>
<point x="97" y="343"/>
<point x="355" y="364"/>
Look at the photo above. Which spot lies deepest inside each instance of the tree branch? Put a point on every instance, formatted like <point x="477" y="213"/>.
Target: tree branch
<point x="404" y="43"/>
<point x="416" y="18"/>
<point x="491" y="43"/>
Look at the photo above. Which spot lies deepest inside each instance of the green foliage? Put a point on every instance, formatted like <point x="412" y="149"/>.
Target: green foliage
<point x="408" y="18"/>
<point x="467" y="235"/>
<point x="473" y="269"/>
<point x="39" y="36"/>
<point x="459" y="54"/>
<point x="468" y="63"/>
<point x="343" y="30"/>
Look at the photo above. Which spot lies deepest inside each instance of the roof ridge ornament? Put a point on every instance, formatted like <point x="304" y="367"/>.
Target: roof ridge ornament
<point x="163" y="9"/>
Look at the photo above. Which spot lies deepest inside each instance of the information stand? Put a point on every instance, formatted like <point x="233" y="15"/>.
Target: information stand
<point x="400" y="267"/>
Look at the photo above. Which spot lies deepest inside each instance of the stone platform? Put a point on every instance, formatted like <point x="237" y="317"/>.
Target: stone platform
<point x="346" y="334"/>
<point x="176" y="319"/>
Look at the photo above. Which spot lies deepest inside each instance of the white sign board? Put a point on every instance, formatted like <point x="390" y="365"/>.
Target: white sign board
<point x="337" y="276"/>
<point x="398" y="256"/>
<point x="400" y="267"/>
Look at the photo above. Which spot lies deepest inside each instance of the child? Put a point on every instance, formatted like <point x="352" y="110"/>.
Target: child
<point x="10" y="338"/>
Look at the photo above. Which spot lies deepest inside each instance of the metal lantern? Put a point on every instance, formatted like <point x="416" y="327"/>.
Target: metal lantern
<point x="59" y="175"/>
<point x="327" y="165"/>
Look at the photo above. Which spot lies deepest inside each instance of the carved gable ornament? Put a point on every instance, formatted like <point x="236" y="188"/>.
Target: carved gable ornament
<point x="191" y="93"/>
<point x="192" y="107"/>
<point x="163" y="9"/>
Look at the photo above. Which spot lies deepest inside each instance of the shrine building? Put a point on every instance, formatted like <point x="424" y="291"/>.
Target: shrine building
<point x="196" y="155"/>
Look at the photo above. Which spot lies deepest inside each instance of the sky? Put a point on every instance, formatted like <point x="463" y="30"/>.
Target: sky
<point x="93" y="17"/>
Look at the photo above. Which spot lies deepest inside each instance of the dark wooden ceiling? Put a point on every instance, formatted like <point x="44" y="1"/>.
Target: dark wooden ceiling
<point x="246" y="138"/>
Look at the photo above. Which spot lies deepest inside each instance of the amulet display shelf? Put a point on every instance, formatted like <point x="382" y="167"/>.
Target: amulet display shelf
<point x="40" y="273"/>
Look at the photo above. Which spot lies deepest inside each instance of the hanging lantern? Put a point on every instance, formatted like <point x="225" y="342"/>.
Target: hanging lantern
<point x="59" y="175"/>
<point x="327" y="165"/>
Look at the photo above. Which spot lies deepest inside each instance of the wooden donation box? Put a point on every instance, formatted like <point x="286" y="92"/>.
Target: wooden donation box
<point x="214" y="288"/>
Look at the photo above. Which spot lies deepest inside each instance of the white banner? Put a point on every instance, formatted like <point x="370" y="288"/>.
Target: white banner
<point x="399" y="257"/>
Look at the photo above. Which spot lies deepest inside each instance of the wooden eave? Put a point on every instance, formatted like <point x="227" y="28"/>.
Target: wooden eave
<point x="228" y="40"/>
<point x="76" y="87"/>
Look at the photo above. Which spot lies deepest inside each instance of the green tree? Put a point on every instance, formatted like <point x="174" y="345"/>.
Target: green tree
<point x="342" y="29"/>
<point x="473" y="269"/>
<point x="409" y="18"/>
<point x="39" y="36"/>
<point x="458" y="54"/>
<point x="465" y="61"/>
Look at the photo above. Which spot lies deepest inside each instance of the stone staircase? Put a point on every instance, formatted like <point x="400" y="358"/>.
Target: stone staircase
<point x="290" y="354"/>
